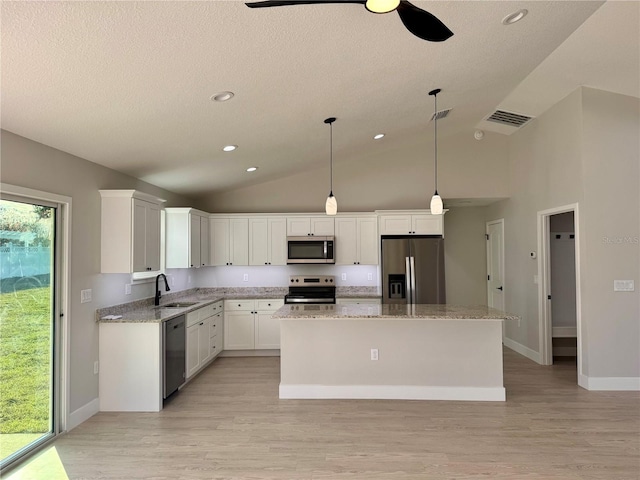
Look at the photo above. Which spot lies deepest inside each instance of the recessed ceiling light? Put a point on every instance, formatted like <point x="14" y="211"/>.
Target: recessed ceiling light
<point x="229" y="148"/>
<point x="378" y="136"/>
<point x="252" y="169"/>
<point x="515" y="17"/>
<point x="222" y="96"/>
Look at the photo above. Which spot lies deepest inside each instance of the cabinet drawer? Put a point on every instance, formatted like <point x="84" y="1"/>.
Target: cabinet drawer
<point x="269" y="305"/>
<point x="193" y="318"/>
<point x="230" y="305"/>
<point x="215" y="345"/>
<point x="206" y="312"/>
<point x="216" y="325"/>
<point x="217" y="307"/>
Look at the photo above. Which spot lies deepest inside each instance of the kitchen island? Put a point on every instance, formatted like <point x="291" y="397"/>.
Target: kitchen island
<point x="372" y="351"/>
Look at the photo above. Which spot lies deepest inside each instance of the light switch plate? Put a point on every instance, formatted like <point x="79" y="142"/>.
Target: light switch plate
<point x="623" y="286"/>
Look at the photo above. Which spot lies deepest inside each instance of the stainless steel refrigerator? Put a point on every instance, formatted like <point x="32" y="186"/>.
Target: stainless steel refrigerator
<point x="413" y="270"/>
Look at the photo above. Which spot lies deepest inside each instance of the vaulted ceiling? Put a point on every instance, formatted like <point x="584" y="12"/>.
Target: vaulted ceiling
<point x="128" y="84"/>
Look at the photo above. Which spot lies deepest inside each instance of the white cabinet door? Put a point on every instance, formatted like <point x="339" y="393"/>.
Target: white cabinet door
<point x="152" y="237"/>
<point x="368" y="241"/>
<point x="346" y="240"/>
<point x="239" y="241"/>
<point x="395" y="224"/>
<point x="239" y="331"/>
<point x="139" y="236"/>
<point x="298" y="226"/>
<point x="322" y="226"/>
<point x="427" y="224"/>
<point x="267" y="332"/>
<point x="258" y="241"/>
<point x="194" y="240"/>
<point x="219" y="238"/>
<point x="277" y="241"/>
<point x="204" y="341"/>
<point x="192" y="347"/>
<point x="204" y="242"/>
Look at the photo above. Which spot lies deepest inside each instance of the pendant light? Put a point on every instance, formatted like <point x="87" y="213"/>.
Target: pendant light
<point x="436" y="201"/>
<point x="331" y="206"/>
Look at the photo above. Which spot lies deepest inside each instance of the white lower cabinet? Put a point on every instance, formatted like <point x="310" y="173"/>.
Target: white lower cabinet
<point x="248" y="324"/>
<point x="201" y="346"/>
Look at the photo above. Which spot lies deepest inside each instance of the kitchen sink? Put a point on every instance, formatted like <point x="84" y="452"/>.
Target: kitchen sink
<point x="178" y="305"/>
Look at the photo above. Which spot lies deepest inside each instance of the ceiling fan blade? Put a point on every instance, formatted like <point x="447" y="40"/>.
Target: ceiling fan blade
<point x="422" y="23"/>
<point x="282" y="3"/>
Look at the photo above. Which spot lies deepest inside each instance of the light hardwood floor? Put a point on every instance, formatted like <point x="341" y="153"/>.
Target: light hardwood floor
<point x="229" y="424"/>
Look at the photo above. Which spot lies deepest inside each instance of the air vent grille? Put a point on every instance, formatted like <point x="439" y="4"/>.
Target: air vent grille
<point x="508" y="118"/>
<point x="440" y="115"/>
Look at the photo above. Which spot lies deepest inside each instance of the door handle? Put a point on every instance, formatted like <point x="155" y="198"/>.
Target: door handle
<point x="499" y="288"/>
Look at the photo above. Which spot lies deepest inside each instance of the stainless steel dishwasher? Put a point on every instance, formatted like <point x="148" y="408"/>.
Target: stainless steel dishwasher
<point x="173" y="361"/>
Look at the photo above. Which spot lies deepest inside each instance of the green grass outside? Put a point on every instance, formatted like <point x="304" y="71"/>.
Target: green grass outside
<point x="25" y="361"/>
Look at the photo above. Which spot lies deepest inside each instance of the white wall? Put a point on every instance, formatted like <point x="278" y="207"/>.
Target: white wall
<point x="399" y="176"/>
<point x="32" y="165"/>
<point x="584" y="150"/>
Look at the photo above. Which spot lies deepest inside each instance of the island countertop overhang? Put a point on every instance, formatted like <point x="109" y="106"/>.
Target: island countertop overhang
<point x="393" y="311"/>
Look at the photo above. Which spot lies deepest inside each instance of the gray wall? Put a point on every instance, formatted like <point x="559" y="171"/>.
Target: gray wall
<point x="584" y="150"/>
<point x="32" y="165"/>
<point x="399" y="176"/>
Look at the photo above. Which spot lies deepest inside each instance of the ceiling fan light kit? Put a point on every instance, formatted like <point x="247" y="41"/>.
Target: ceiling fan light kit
<point x="382" y="6"/>
<point x="421" y="23"/>
<point x="331" y="205"/>
<point x="436" y="200"/>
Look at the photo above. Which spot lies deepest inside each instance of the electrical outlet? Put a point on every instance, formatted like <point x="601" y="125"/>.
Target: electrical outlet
<point x="85" y="296"/>
<point x="173" y="280"/>
<point x="96" y="367"/>
<point x="127" y="289"/>
<point x="370" y="276"/>
<point x="374" y="354"/>
<point x="344" y="277"/>
<point x="189" y="279"/>
<point x="245" y="277"/>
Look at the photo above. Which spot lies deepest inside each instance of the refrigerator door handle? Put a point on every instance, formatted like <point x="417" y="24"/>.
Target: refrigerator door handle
<point x="407" y="276"/>
<point x="413" y="280"/>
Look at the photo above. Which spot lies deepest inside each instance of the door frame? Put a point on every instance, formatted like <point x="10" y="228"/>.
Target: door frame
<point x="62" y="304"/>
<point x="488" y="224"/>
<point x="544" y="283"/>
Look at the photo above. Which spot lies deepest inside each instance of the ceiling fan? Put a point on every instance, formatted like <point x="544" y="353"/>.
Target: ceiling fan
<point x="419" y="22"/>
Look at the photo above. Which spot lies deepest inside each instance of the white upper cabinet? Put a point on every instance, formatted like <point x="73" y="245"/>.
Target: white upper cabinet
<point x="268" y="241"/>
<point x="229" y="239"/>
<point x="130" y="232"/>
<point x="411" y="224"/>
<point x="187" y="236"/>
<point x="356" y="240"/>
<point x="321" y="225"/>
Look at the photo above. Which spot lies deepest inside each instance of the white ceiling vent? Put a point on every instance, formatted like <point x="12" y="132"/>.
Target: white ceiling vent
<point x="508" y="118"/>
<point x="440" y="115"/>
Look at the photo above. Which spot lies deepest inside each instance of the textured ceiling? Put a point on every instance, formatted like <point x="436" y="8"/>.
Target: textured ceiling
<point x="127" y="84"/>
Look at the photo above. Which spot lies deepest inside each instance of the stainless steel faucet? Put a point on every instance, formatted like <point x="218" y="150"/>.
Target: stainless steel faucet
<point x="156" y="301"/>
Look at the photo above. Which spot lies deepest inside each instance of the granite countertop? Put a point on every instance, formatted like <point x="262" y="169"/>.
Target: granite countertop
<point x="386" y="311"/>
<point x="143" y="311"/>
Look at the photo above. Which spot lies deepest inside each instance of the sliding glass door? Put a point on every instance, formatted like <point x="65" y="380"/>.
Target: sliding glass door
<point x="28" y="307"/>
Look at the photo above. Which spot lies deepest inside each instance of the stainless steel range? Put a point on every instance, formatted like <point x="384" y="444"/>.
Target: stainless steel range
<point x="311" y="289"/>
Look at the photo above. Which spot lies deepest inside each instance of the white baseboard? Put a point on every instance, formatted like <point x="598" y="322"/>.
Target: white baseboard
<point x="609" y="383"/>
<point x="521" y="349"/>
<point x="392" y="392"/>
<point x="83" y="413"/>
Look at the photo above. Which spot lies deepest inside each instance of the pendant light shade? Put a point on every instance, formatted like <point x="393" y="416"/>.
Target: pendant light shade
<point x="436" y="200"/>
<point x="331" y="205"/>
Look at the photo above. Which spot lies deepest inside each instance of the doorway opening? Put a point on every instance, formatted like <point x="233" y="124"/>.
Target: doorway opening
<point x="559" y="286"/>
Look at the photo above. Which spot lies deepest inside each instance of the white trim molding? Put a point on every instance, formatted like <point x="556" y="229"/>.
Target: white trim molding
<point x="83" y="413"/>
<point x="609" y="383"/>
<point x="522" y="350"/>
<point x="392" y="392"/>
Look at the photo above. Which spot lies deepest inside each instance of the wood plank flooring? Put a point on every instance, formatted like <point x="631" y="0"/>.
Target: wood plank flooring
<point x="229" y="424"/>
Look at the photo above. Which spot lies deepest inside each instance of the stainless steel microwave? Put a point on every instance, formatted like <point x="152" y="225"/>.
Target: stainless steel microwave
<point x="310" y="249"/>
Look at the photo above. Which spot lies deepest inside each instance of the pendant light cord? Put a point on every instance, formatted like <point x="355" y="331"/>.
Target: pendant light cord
<point x="331" y="157"/>
<point x="435" y="128"/>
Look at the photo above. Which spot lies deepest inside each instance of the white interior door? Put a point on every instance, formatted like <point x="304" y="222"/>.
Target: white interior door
<point x="495" y="264"/>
